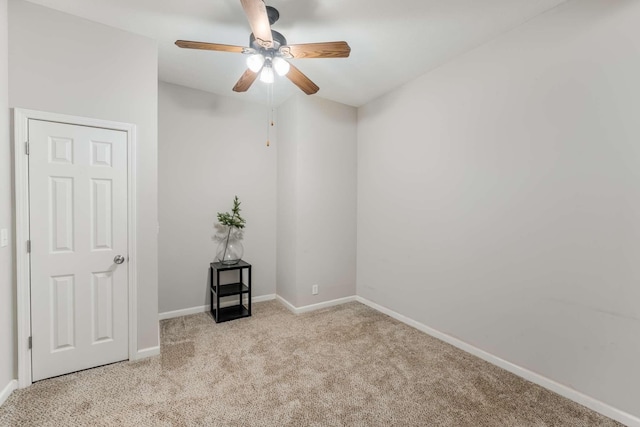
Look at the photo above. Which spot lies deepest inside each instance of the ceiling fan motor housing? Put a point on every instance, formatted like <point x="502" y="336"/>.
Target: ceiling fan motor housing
<point x="278" y="40"/>
<point x="273" y="15"/>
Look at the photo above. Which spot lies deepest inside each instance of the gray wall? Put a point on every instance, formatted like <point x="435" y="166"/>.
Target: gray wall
<point x="317" y="200"/>
<point x="65" y="64"/>
<point x="287" y="184"/>
<point x="212" y="148"/>
<point x="7" y="289"/>
<point x="498" y="199"/>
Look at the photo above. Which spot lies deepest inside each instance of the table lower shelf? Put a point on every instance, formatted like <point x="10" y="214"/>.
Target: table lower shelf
<point x="230" y="313"/>
<point x="231" y="289"/>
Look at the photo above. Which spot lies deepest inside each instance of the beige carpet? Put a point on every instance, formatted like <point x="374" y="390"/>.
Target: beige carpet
<point x="343" y="366"/>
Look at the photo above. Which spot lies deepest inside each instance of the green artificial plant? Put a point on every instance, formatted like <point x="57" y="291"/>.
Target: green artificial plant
<point x="232" y="219"/>
<point x="229" y="221"/>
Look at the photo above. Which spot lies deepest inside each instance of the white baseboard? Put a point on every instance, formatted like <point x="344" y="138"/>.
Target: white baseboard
<point x="147" y="352"/>
<point x="6" y="392"/>
<point x="205" y="308"/>
<point x="561" y="389"/>
<point x="292" y="308"/>
<point x="183" y="312"/>
<point x="263" y="298"/>
<point x="313" y="307"/>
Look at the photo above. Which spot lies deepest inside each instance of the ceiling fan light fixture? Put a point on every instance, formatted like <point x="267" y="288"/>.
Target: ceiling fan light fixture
<point x="281" y="66"/>
<point x="255" y="62"/>
<point x="266" y="76"/>
<point x="269" y="50"/>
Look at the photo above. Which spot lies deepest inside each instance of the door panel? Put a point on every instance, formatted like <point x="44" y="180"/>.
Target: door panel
<point x="101" y="196"/>
<point x="62" y="313"/>
<point x="78" y="224"/>
<point x="61" y="224"/>
<point x="102" y="299"/>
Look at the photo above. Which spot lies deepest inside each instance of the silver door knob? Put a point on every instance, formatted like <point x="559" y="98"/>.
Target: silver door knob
<point x="119" y="259"/>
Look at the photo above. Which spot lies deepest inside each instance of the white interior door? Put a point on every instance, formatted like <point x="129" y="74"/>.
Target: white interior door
<point x="78" y="226"/>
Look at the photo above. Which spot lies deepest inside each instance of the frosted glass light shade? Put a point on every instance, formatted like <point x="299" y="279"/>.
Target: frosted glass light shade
<point x="266" y="76"/>
<point x="254" y="62"/>
<point x="281" y="66"/>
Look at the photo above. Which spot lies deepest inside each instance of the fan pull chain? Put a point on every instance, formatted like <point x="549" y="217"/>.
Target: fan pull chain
<point x="268" y="118"/>
<point x="268" y="127"/>
<point x="269" y="112"/>
<point x="271" y="105"/>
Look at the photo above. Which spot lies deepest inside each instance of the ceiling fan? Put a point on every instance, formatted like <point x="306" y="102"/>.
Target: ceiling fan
<point x="269" y="51"/>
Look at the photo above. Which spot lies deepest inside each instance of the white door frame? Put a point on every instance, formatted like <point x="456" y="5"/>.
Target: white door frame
<point x="23" y="272"/>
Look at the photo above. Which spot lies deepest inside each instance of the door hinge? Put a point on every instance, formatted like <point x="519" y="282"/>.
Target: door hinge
<point x="30" y="343"/>
<point x="28" y="246"/>
<point x="26" y="148"/>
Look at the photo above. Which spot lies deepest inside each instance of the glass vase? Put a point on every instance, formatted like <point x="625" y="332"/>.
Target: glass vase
<point x="230" y="251"/>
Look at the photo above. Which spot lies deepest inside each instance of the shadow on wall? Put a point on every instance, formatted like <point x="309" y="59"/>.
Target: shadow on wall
<point x="225" y="277"/>
<point x="216" y="105"/>
<point x="207" y="287"/>
<point x="13" y="294"/>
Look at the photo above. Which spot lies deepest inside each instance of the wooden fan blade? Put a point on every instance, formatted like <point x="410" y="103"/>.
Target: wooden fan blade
<point x="302" y="81"/>
<point x="256" y="12"/>
<point x="316" y="50"/>
<point x="245" y="82"/>
<point x="209" y="46"/>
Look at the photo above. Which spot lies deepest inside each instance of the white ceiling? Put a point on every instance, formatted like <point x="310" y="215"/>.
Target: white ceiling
<point x="391" y="42"/>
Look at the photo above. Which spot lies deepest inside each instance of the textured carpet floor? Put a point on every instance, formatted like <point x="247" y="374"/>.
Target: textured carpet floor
<point x="343" y="366"/>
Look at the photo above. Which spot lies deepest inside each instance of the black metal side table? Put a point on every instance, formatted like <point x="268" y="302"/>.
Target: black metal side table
<point x="239" y="288"/>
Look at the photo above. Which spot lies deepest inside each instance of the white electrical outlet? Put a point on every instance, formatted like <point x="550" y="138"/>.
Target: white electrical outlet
<point x="314" y="290"/>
